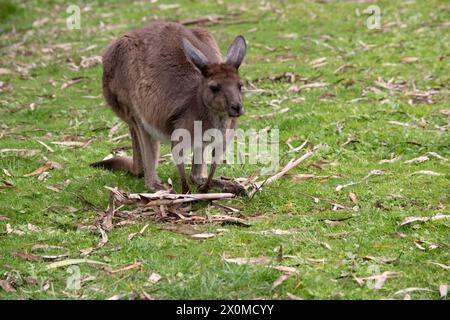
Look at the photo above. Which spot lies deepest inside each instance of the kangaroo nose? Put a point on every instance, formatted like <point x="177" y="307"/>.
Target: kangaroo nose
<point x="237" y="109"/>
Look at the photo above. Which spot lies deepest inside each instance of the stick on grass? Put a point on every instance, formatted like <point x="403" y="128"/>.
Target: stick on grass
<point x="291" y="165"/>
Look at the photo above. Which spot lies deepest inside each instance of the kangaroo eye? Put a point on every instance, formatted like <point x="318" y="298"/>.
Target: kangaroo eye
<point x="214" y="88"/>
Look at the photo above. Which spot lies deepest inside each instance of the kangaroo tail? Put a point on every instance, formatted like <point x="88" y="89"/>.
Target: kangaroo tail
<point x="117" y="163"/>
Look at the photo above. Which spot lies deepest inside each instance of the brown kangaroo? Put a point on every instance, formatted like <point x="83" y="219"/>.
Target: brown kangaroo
<point x="164" y="77"/>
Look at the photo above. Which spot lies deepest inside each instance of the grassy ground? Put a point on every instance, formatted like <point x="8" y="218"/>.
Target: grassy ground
<point x="380" y="106"/>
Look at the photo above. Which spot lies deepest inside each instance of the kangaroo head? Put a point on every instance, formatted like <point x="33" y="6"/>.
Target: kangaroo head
<point x="221" y="87"/>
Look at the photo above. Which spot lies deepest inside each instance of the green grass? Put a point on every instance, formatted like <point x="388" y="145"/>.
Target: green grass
<point x="193" y="269"/>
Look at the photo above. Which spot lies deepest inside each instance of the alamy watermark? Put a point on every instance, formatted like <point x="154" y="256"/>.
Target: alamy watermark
<point x="73" y="281"/>
<point x="374" y="19"/>
<point x="73" y="21"/>
<point x="374" y="270"/>
<point x="231" y="146"/>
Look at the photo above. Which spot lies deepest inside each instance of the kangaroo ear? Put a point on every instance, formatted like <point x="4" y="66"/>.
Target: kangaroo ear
<point x="195" y="56"/>
<point x="236" y="52"/>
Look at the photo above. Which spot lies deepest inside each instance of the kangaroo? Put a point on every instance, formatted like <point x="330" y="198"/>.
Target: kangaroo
<point x="165" y="77"/>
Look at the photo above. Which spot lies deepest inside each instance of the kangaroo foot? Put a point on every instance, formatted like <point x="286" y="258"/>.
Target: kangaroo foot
<point x="225" y="185"/>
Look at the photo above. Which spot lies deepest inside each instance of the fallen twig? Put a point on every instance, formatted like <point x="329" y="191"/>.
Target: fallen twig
<point x="164" y="197"/>
<point x="166" y="207"/>
<point x="371" y="173"/>
<point x="291" y="165"/>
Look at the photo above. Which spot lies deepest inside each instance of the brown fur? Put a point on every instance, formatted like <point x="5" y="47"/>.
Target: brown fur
<point x="151" y="83"/>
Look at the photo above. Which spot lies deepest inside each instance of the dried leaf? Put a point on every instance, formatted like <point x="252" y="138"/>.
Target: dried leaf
<point x="63" y="46"/>
<point x="28" y="256"/>
<point x="146" y="296"/>
<point x="290" y="296"/>
<point x="409" y="59"/>
<point x="114" y="129"/>
<point x="278" y="232"/>
<point x="403" y="124"/>
<point x="290" y="36"/>
<point x="53" y="188"/>
<point x="441" y="265"/>
<point x="129" y="267"/>
<point x="5" y="285"/>
<point x="69" y="262"/>
<point x="417" y="160"/>
<point x="438" y="216"/>
<point x="104" y="237"/>
<point x="320" y="62"/>
<point x="201" y="236"/>
<point x="333" y="222"/>
<point x="5" y="71"/>
<point x="285" y="269"/>
<point x="132" y="235"/>
<point x="87" y="251"/>
<point x="343" y="67"/>
<point x="6" y="184"/>
<point x="10" y="229"/>
<point x="45" y="145"/>
<point x="118" y="296"/>
<point x="47" y="166"/>
<point x="19" y="152"/>
<point x="87" y="62"/>
<point x="39" y="247"/>
<point x="380" y="279"/>
<point x="283" y="277"/>
<point x="71" y="143"/>
<point x="314" y="85"/>
<point x="337" y="206"/>
<point x="168" y="6"/>
<point x="420" y="245"/>
<point x="303" y="176"/>
<point x="337" y="234"/>
<point x="154" y="278"/>
<point x="67" y="84"/>
<point x="254" y="260"/>
<point x="437" y="155"/>
<point x="227" y="209"/>
<point x="427" y="173"/>
<point x="58" y="209"/>
<point x="407" y="290"/>
<point x="41" y="22"/>
<point x="371" y="173"/>
<point x="31" y="281"/>
<point x="32" y="227"/>
<point x="353" y="197"/>
<point x="382" y="260"/>
<point x="393" y="159"/>
<point x="350" y="139"/>
<point x="443" y="290"/>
